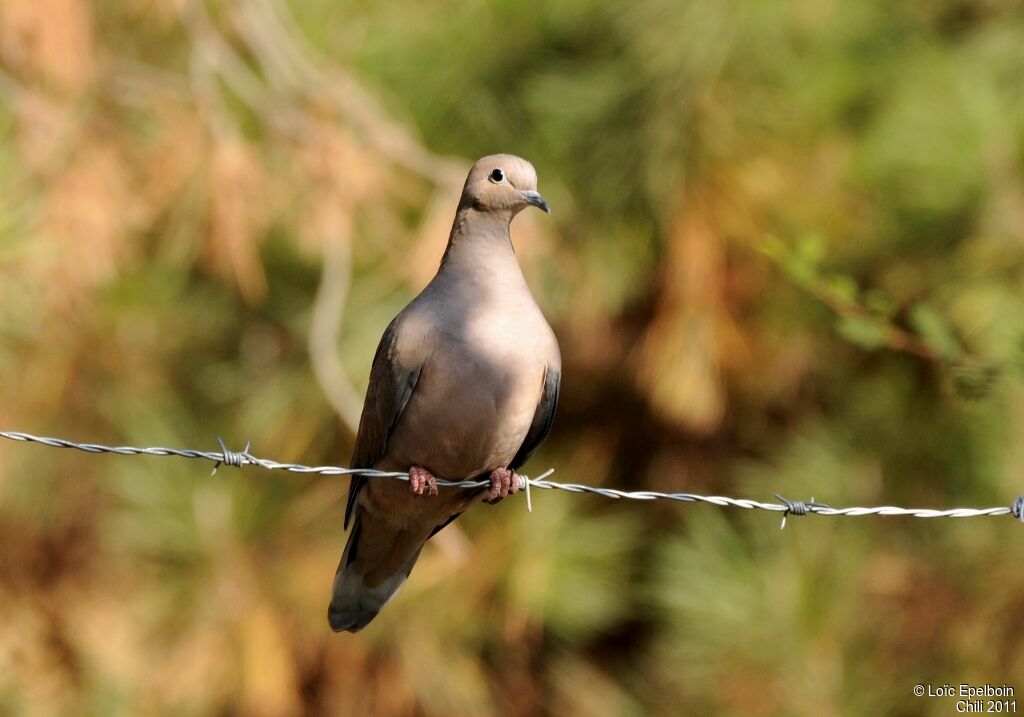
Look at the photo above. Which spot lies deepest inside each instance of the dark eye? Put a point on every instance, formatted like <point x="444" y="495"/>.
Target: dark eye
<point x="497" y="176"/>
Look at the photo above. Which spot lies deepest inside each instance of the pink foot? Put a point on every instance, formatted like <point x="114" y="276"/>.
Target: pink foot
<point x="422" y="481"/>
<point x="503" y="482"/>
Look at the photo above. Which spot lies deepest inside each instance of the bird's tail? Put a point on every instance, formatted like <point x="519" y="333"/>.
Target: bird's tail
<point x="377" y="560"/>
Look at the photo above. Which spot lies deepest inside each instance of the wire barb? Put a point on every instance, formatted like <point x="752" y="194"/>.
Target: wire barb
<point x="230" y="458"/>
<point x="798" y="507"/>
<point x="1017" y="509"/>
<point x="784" y="506"/>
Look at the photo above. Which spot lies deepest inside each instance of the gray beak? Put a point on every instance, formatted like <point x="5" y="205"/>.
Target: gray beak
<point x="536" y="200"/>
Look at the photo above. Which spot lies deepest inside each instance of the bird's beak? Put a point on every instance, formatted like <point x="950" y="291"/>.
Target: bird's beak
<point x="534" y="198"/>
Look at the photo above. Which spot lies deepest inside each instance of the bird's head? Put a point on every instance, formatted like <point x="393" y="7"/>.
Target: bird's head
<point x="502" y="183"/>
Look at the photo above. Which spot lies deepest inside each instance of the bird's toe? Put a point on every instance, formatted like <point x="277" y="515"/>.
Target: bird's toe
<point x="422" y="481"/>
<point x="503" y="481"/>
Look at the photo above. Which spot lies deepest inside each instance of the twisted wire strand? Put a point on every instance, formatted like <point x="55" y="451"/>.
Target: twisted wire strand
<point x="787" y="507"/>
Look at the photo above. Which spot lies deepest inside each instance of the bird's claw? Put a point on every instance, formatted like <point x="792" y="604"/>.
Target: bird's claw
<point x="503" y="482"/>
<point x="422" y="481"/>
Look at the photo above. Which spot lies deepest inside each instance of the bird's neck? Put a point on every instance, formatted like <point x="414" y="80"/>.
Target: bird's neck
<point x="480" y="245"/>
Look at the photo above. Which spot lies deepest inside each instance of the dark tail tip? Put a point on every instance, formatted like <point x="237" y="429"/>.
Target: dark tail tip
<point x="347" y="619"/>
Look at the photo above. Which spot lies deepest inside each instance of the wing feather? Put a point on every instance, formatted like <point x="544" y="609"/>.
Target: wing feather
<point x="542" y="418"/>
<point x="391" y="386"/>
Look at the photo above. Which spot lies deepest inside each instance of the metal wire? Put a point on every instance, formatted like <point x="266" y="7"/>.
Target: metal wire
<point x="784" y="506"/>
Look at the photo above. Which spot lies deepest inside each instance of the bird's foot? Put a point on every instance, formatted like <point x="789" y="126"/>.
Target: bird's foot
<point x="422" y="481"/>
<point x="503" y="482"/>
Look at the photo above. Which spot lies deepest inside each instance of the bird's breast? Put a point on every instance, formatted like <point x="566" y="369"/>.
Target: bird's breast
<point x="476" y="395"/>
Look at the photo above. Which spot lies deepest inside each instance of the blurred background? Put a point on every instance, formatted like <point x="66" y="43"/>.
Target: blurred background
<point x="786" y="256"/>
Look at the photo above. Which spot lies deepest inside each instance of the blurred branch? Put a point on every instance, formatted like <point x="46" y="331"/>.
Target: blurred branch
<point x="134" y="82"/>
<point x="270" y="52"/>
<point x="325" y="330"/>
<point x="211" y="54"/>
<point x="867" y="321"/>
<point x="893" y="336"/>
<point x="288" y="68"/>
<point x="288" y="65"/>
<point x="272" y="36"/>
<point x="869" y="326"/>
<point x="64" y="121"/>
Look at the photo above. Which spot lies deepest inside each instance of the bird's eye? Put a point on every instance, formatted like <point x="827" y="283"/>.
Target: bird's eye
<point x="497" y="176"/>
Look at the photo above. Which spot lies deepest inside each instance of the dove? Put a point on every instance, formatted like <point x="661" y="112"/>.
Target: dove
<point x="463" y="386"/>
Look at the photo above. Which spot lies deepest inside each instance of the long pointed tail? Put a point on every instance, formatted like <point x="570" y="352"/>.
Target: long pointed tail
<point x="376" y="562"/>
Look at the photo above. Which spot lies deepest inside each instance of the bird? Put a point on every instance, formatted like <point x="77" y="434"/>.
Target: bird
<point x="463" y="386"/>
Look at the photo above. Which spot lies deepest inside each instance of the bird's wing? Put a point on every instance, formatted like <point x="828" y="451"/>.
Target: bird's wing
<point x="392" y="382"/>
<point x="543" y="416"/>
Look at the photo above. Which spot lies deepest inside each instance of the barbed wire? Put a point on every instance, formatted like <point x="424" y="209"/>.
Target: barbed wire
<point x="224" y="456"/>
